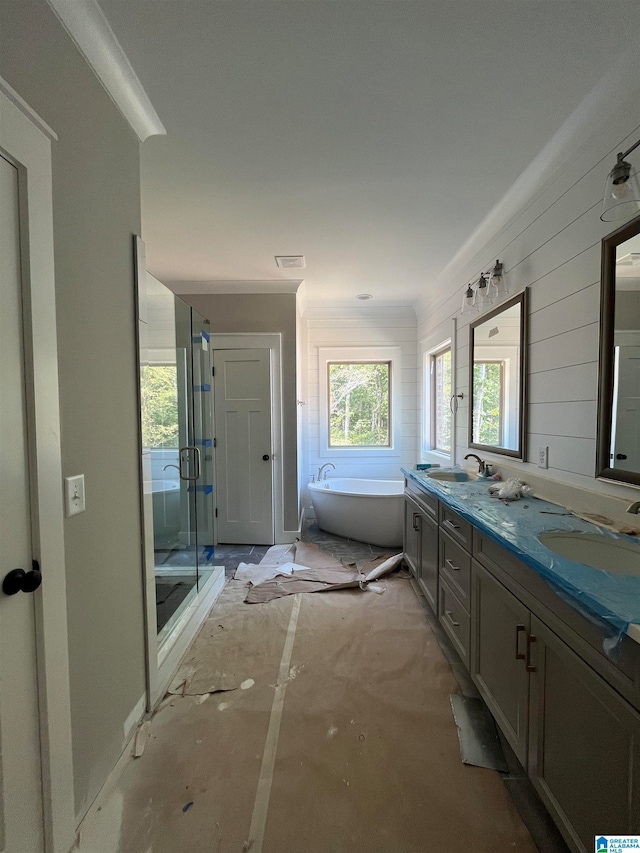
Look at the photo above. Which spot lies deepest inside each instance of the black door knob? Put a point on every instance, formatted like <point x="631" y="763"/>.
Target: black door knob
<point x="20" y="581"/>
<point x="621" y="455"/>
<point x="265" y="458"/>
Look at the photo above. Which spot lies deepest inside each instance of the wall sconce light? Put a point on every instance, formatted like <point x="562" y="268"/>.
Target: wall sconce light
<point x="484" y="297"/>
<point x="469" y="302"/>
<point x="497" y="282"/>
<point x="622" y="189"/>
<point x="490" y="286"/>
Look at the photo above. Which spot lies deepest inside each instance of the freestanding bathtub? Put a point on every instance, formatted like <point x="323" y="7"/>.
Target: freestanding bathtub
<point x="366" y="510"/>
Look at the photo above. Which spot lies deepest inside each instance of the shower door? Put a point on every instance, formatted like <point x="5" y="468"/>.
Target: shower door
<point x="176" y="390"/>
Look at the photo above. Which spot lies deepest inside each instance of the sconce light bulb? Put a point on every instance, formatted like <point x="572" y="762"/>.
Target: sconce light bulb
<point x="620" y="191"/>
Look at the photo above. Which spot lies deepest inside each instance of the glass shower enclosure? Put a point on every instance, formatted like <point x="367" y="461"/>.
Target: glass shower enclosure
<point x="177" y="434"/>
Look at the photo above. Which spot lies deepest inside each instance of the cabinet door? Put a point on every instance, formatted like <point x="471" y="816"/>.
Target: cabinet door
<point x="499" y="631"/>
<point x="428" y="560"/>
<point x="584" y="745"/>
<point x="411" y="534"/>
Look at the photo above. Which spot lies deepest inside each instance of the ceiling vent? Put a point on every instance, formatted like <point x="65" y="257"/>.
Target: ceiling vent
<point x="290" y="262"/>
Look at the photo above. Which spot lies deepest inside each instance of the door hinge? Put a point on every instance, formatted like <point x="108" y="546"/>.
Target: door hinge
<point x="35" y="565"/>
<point x="215" y="440"/>
<point x="216" y="512"/>
<point x="213" y="370"/>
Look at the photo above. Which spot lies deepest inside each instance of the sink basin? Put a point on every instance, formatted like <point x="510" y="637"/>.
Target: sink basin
<point x="450" y="476"/>
<point x="591" y="549"/>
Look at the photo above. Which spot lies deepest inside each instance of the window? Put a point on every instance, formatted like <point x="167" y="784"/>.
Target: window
<point x="359" y="404"/>
<point x="488" y="402"/>
<point x="441" y="418"/>
<point x="159" y="399"/>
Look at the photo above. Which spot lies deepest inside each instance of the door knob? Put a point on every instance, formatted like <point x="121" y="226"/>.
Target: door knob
<point x="265" y="458"/>
<point x="20" y="581"/>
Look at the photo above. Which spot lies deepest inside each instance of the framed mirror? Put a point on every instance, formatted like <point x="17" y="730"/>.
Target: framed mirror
<point x="618" y="456"/>
<point x="497" y="378"/>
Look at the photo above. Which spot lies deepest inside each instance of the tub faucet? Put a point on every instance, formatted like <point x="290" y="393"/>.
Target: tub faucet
<point x="321" y="470"/>
<point x="634" y="507"/>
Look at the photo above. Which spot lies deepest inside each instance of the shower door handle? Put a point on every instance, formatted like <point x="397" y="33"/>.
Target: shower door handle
<point x="196" y="461"/>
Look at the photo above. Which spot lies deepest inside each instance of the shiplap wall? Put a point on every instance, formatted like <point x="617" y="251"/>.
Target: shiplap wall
<point x="552" y="247"/>
<point x="372" y="327"/>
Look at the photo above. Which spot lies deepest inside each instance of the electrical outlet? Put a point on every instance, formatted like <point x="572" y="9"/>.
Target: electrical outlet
<point x="543" y="457"/>
<point x="74" y="494"/>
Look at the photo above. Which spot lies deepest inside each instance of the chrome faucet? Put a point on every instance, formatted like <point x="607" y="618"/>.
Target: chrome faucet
<point x="634" y="508"/>
<point x="481" y="463"/>
<point x="321" y="470"/>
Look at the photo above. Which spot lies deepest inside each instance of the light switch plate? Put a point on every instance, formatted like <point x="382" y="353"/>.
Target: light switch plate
<point x="543" y="457"/>
<point x="74" y="494"/>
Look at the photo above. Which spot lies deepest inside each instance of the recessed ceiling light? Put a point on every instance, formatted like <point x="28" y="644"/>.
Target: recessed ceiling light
<point x="364" y="296"/>
<point x="289" y="262"/>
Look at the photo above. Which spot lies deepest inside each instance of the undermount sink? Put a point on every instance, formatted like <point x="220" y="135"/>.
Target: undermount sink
<point x="592" y="549"/>
<point x="450" y="476"/>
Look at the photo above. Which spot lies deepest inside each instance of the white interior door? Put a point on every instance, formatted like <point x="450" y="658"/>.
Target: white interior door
<point x="625" y="432"/>
<point x="21" y="823"/>
<point x="244" y="466"/>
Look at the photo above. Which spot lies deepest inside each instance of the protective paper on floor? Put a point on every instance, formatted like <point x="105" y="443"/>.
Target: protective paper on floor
<point x="368" y="757"/>
<point x="256" y="573"/>
<point x="325" y="574"/>
<point x="479" y="742"/>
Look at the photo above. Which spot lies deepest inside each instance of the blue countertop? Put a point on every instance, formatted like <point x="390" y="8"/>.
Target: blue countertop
<point x="614" y="600"/>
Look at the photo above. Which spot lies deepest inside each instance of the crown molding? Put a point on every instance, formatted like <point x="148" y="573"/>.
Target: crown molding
<point x="90" y="31"/>
<point x="234" y="287"/>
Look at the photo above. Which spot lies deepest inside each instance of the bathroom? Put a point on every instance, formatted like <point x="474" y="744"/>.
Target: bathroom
<point x="328" y="182"/>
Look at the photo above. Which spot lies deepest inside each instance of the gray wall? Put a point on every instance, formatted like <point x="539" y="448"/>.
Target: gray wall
<point x="96" y="208"/>
<point x="265" y="312"/>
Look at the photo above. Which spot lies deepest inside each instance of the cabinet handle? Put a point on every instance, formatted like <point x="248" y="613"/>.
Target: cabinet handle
<point x="530" y="641"/>
<point x="452" y="565"/>
<point x="451" y="524"/>
<point x="519" y="655"/>
<point x="449" y="616"/>
<point x="416" y="519"/>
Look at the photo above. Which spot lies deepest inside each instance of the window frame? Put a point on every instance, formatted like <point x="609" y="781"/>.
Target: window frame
<point x="428" y="453"/>
<point x="368" y="354"/>
<point x="433" y="356"/>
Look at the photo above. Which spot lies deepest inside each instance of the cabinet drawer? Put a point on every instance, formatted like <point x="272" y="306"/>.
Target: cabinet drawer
<point x="454" y="619"/>
<point x="456" y="526"/>
<point x="455" y="565"/>
<point x="427" y="502"/>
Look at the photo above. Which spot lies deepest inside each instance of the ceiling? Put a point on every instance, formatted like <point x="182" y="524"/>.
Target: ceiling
<point x="370" y="136"/>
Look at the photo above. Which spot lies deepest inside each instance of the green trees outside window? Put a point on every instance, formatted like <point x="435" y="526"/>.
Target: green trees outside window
<point x="359" y="403"/>
<point x="488" y="394"/>
<point x="159" y="398"/>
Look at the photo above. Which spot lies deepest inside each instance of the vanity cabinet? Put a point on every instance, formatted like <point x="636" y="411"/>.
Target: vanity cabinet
<point x="500" y="644"/>
<point x="428" y="562"/>
<point x="454" y="569"/>
<point x="569" y="711"/>
<point x="421" y="541"/>
<point x="584" y="745"/>
<point x="411" y="533"/>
